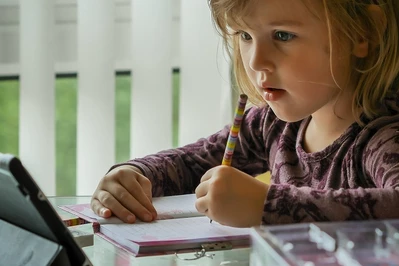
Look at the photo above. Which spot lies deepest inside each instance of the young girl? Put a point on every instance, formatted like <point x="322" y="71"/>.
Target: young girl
<point x="324" y="78"/>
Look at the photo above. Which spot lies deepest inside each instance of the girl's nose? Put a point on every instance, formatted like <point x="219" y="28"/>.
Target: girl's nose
<point x="261" y="58"/>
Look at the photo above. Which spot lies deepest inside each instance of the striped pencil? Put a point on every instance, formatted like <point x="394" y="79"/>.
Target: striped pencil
<point x="234" y="130"/>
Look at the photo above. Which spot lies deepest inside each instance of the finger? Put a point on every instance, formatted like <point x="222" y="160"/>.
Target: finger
<point x="201" y="204"/>
<point x="207" y="175"/>
<point x="99" y="209"/>
<point x="132" y="196"/>
<point x="118" y="209"/>
<point x="146" y="185"/>
<point x="144" y="182"/>
<point x="202" y="189"/>
<point x="147" y="189"/>
<point x="133" y="204"/>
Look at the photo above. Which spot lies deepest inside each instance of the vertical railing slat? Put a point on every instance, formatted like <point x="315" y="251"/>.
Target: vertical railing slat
<point x="96" y="93"/>
<point x="37" y="124"/>
<point x="151" y="111"/>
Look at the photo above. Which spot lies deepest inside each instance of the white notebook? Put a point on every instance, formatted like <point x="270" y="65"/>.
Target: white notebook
<point x="179" y="226"/>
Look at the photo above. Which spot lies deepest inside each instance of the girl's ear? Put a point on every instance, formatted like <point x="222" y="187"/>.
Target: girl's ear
<point x="361" y="48"/>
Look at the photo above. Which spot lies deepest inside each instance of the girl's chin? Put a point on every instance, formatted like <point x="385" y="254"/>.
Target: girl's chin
<point x="286" y="115"/>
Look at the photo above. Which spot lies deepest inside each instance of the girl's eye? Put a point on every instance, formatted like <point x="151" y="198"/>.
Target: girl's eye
<point x="245" y="36"/>
<point x="283" y="36"/>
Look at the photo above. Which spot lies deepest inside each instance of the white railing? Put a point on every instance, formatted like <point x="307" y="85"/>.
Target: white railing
<point x="94" y="38"/>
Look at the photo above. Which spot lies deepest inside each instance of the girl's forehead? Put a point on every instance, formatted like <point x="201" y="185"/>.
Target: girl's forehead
<point x="247" y="12"/>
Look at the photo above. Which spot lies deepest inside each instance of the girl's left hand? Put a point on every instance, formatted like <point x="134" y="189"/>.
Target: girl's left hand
<point x="231" y="197"/>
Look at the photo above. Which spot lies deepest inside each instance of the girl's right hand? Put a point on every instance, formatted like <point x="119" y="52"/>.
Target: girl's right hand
<point x="125" y="193"/>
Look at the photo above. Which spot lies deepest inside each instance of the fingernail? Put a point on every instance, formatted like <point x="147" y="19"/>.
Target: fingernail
<point x="147" y="217"/>
<point x="102" y="211"/>
<point x="131" y="218"/>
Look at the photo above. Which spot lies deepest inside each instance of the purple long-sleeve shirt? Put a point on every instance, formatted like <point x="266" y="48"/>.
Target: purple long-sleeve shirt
<point x="354" y="178"/>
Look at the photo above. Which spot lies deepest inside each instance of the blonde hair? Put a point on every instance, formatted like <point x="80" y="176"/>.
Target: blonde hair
<point x="375" y="76"/>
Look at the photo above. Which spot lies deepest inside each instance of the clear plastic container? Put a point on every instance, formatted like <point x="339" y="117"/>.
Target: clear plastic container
<point x="370" y="243"/>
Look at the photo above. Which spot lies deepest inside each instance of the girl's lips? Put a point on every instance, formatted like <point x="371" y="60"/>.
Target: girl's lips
<point x="272" y="94"/>
<point x="270" y="89"/>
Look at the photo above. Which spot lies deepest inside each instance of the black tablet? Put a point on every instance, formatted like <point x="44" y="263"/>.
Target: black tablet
<point x="31" y="231"/>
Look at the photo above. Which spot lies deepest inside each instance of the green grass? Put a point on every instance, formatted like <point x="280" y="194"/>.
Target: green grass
<point x="66" y="119"/>
<point x="175" y="108"/>
<point x="122" y="119"/>
<point x="9" y="116"/>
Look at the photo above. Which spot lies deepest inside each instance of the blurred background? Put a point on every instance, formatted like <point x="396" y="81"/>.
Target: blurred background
<point x="88" y="83"/>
